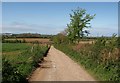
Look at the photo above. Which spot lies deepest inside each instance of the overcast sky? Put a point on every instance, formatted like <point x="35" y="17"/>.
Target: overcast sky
<point x="52" y="18"/>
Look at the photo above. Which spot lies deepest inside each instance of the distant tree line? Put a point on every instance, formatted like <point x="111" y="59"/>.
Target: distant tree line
<point x="13" y="41"/>
<point x="27" y="35"/>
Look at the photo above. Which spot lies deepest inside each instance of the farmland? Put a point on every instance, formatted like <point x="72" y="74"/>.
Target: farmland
<point x="19" y="59"/>
<point x="48" y="42"/>
<point x="31" y="39"/>
<point x="100" y="56"/>
<point x="27" y="40"/>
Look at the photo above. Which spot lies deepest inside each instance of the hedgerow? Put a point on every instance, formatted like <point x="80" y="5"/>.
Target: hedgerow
<point x="101" y="58"/>
<point x="20" y="67"/>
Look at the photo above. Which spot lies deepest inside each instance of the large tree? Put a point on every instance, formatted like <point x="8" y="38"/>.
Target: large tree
<point x="79" y="20"/>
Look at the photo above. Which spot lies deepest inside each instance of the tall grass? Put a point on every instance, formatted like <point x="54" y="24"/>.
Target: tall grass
<point x="21" y="65"/>
<point x="101" y="58"/>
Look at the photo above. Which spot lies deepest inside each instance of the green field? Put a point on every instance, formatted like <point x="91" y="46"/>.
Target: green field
<point x="12" y="51"/>
<point x="8" y="47"/>
<point x="19" y="59"/>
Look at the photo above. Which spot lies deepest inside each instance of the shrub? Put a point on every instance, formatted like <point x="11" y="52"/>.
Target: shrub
<point x="20" y="67"/>
<point x="10" y="73"/>
<point x="101" y="58"/>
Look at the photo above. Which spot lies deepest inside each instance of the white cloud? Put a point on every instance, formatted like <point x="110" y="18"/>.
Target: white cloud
<point x="105" y="31"/>
<point x="16" y="27"/>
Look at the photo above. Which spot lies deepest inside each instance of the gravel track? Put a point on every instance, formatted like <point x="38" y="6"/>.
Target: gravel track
<point x="59" y="67"/>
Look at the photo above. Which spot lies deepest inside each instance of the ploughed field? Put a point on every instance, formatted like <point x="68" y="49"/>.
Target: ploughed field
<point x="40" y="40"/>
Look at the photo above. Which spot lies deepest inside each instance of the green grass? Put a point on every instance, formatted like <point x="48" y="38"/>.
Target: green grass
<point x="22" y="58"/>
<point x="13" y="51"/>
<point x="8" y="47"/>
<point x="94" y="58"/>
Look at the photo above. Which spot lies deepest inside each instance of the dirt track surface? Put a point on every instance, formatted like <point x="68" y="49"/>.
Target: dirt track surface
<point x="59" y="67"/>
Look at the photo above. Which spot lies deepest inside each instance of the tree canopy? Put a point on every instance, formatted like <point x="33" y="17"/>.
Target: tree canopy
<point x="79" y="20"/>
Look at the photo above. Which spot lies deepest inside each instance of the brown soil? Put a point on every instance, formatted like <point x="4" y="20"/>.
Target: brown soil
<point x="32" y="39"/>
